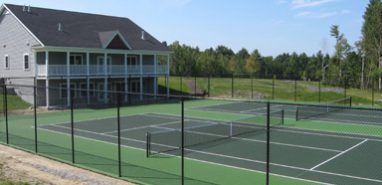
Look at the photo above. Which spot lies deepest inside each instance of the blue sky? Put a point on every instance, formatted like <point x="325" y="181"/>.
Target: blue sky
<point x="271" y="26"/>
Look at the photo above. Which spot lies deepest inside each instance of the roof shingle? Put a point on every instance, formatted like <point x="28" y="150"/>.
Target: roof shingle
<point x="81" y="29"/>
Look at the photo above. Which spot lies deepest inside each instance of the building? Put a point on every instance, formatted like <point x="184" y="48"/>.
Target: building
<point x="78" y="54"/>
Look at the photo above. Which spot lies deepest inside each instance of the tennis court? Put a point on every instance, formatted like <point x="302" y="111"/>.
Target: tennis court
<point x="313" y="157"/>
<point x="344" y="115"/>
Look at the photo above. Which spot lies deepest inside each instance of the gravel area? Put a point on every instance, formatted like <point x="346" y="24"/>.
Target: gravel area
<point x="20" y="166"/>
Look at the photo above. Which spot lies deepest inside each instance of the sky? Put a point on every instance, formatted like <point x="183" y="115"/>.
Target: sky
<point x="271" y="26"/>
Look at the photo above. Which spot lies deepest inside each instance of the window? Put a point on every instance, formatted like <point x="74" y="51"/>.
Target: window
<point x="84" y="90"/>
<point x="132" y="60"/>
<point x="6" y="61"/>
<point x="76" y="59"/>
<point x="26" y="62"/>
<point x="63" y="91"/>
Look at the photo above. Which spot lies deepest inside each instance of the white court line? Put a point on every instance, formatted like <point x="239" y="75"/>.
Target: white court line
<point x="297" y="130"/>
<point x="254" y="140"/>
<point x="142" y="127"/>
<point x="351" y="148"/>
<point x="286" y="166"/>
<point x="304" y="169"/>
<point x="188" y="158"/>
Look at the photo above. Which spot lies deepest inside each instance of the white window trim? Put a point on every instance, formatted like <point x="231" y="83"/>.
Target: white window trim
<point x="5" y="62"/>
<point x="29" y="62"/>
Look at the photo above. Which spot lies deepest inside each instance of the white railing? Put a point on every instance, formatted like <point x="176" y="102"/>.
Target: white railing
<point x="116" y="69"/>
<point x="78" y="69"/>
<point x="62" y="70"/>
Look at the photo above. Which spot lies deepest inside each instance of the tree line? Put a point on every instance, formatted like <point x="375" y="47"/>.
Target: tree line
<point x="358" y="65"/>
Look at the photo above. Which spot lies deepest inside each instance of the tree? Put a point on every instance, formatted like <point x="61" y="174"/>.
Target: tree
<point x="372" y="38"/>
<point x="251" y="64"/>
<point x="342" y="48"/>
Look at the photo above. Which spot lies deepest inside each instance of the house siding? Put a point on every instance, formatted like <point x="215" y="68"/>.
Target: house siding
<point x="15" y="42"/>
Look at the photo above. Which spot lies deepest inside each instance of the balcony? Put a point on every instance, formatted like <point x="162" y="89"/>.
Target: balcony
<point x="99" y="70"/>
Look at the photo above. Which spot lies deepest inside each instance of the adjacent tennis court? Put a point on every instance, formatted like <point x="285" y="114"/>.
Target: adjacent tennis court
<point x="310" y="156"/>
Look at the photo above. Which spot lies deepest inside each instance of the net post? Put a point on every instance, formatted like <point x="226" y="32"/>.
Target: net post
<point x="268" y="144"/>
<point x="351" y="101"/>
<point x="148" y="142"/>
<point x="6" y="112"/>
<point x="230" y="129"/>
<point x="182" y="139"/>
<point x="35" y="113"/>
<point x="119" y="133"/>
<point x="72" y="123"/>
<point x="282" y="116"/>
<point x="297" y="110"/>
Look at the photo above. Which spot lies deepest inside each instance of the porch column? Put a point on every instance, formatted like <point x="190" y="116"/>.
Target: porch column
<point x="105" y="94"/>
<point x="126" y="85"/>
<point x="168" y="76"/>
<point x="87" y="77"/>
<point x="141" y="77"/>
<point x="47" y="79"/>
<point x="155" y="76"/>
<point x="68" y="78"/>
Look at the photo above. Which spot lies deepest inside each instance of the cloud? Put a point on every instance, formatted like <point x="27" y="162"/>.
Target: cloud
<point x="304" y="14"/>
<point x="296" y="4"/>
<point x="280" y="2"/>
<point x="322" y="15"/>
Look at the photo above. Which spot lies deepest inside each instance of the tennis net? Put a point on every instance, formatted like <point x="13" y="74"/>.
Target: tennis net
<point x="311" y="111"/>
<point x="202" y="132"/>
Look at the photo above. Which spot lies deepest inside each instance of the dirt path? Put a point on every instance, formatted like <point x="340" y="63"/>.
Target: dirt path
<point x="22" y="166"/>
<point x="191" y="84"/>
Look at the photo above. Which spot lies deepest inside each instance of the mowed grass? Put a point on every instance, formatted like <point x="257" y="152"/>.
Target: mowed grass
<point x="278" y="90"/>
<point x="13" y="102"/>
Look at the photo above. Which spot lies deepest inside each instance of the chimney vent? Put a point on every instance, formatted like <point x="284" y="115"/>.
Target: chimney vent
<point x="29" y="8"/>
<point x="143" y="35"/>
<point x="59" y="27"/>
<point x="24" y="8"/>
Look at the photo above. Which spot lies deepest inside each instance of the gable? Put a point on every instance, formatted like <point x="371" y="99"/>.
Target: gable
<point x="117" y="43"/>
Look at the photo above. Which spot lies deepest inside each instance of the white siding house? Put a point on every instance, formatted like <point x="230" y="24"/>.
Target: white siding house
<point x="64" y="50"/>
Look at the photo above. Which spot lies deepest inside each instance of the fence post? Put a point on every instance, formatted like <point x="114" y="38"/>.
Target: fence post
<point x="209" y="78"/>
<point x="295" y="90"/>
<point x="182" y="139"/>
<point x="195" y="85"/>
<point x="6" y="113"/>
<point x="319" y="91"/>
<point x="372" y="93"/>
<point x="119" y="134"/>
<point x="251" y="86"/>
<point x="35" y="113"/>
<point x="345" y="86"/>
<point x="273" y="87"/>
<point x="232" y="86"/>
<point x="72" y="124"/>
<point x="268" y="144"/>
<point x="181" y="84"/>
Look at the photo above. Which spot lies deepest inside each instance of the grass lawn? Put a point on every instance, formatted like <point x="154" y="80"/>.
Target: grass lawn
<point x="284" y="90"/>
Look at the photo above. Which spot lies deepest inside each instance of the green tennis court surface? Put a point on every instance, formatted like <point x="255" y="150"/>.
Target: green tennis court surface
<point x="296" y="153"/>
<point x="336" y="148"/>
